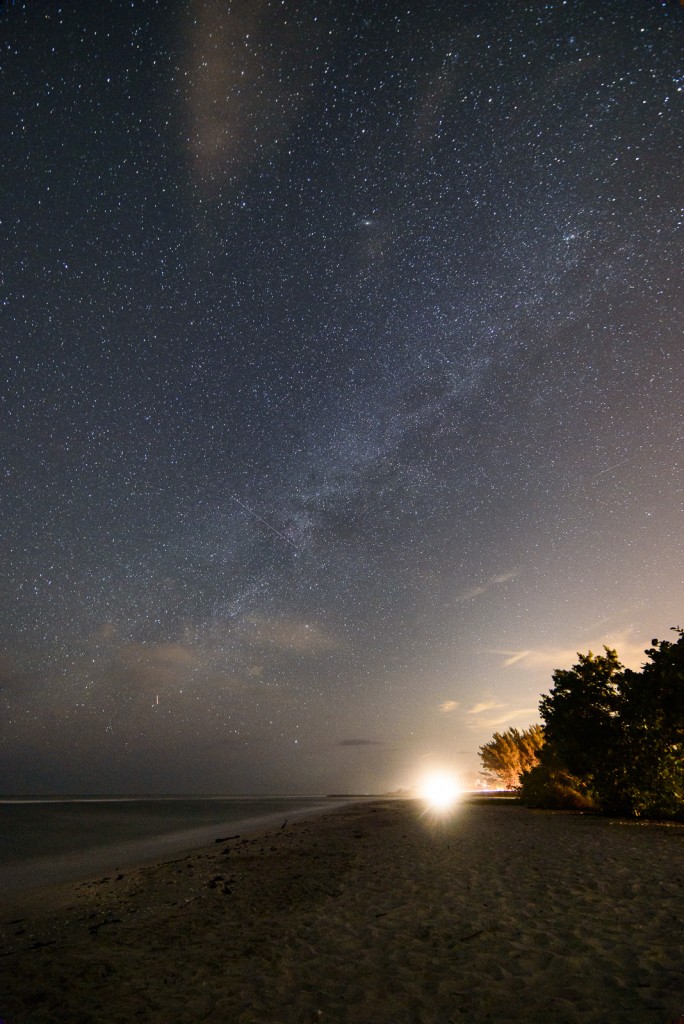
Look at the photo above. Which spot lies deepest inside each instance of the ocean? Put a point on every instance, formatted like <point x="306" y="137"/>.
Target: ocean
<point x="49" y="840"/>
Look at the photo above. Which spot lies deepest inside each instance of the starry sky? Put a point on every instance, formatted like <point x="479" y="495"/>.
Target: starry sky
<point x="342" y="380"/>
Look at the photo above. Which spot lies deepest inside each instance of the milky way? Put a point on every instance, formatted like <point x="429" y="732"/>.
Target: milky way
<point x="342" y="380"/>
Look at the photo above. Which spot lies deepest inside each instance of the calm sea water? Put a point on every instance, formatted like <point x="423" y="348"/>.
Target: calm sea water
<point x="56" y="840"/>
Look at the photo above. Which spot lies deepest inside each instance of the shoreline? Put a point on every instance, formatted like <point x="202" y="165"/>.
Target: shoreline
<point x="373" y="913"/>
<point x="17" y="875"/>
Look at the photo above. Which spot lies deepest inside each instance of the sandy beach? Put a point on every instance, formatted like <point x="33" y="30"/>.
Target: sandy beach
<point x="372" y="914"/>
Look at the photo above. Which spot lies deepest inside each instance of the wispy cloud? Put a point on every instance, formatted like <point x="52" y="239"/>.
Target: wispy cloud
<point x="449" y="705"/>
<point x="504" y="577"/>
<point x="288" y="634"/>
<point x="220" y="135"/>
<point x="630" y="652"/>
<point x="106" y="632"/>
<point x="487" y="705"/>
<point x="155" y="665"/>
<point x="360" y="743"/>
<point x="515" y="657"/>
<point x="514" y="716"/>
<point x="482" y="588"/>
<point x="161" y="655"/>
<point x="505" y="715"/>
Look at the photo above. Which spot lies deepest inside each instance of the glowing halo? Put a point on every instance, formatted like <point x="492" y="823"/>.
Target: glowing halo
<point x="440" y="790"/>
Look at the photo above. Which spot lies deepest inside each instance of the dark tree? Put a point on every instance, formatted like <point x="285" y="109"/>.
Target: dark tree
<point x="614" y="738"/>
<point x="653" y="733"/>
<point x="581" y="718"/>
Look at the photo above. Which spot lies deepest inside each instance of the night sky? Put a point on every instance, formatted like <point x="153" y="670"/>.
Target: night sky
<point x="342" y="380"/>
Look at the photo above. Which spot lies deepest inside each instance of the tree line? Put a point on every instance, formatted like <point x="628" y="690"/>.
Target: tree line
<point x="612" y="739"/>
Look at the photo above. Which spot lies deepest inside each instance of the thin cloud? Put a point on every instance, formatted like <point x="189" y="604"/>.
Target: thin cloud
<point x="630" y="652"/>
<point x="473" y="592"/>
<point x="288" y="634"/>
<point x="505" y="716"/>
<point x="154" y="666"/>
<point x="233" y="88"/>
<point x="504" y="577"/>
<point x="483" y="588"/>
<point x="106" y="632"/>
<point x="514" y="657"/>
<point x="487" y="705"/>
<point x="449" y="705"/>
<point x="510" y="717"/>
<point x="163" y="656"/>
<point x="360" y="743"/>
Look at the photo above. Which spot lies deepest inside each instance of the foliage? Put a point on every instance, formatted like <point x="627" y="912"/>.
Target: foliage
<point x="614" y="738"/>
<point x="653" y="733"/>
<point x="580" y="712"/>
<point x="581" y="718"/>
<point x="510" y="753"/>
<point x="549" y="784"/>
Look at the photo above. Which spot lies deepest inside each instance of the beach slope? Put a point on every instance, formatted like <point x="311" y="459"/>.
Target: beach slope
<point x="373" y="914"/>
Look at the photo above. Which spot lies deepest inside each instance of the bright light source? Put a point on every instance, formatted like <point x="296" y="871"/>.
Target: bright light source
<point x="440" y="790"/>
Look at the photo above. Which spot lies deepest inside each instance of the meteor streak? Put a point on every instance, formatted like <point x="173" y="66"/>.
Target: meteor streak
<point x="261" y="520"/>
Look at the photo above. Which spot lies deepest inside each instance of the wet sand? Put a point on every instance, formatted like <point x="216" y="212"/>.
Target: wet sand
<point x="373" y="914"/>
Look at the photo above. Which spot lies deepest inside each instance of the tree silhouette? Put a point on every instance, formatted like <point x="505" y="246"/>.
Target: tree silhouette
<point x="653" y="733"/>
<point x="614" y="738"/>
<point x="581" y="718"/>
